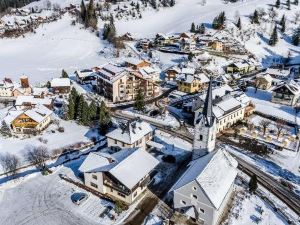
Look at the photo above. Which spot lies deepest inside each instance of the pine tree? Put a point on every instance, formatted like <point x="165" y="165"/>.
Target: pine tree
<point x="274" y="37"/>
<point x="282" y="24"/>
<point x="296" y="2"/>
<point x="219" y="21"/>
<point x="93" y="111"/>
<point x="64" y="74"/>
<point x="75" y="100"/>
<point x="277" y="4"/>
<point x="202" y="29"/>
<point x="82" y="11"/>
<point x="288" y="4"/>
<point x="71" y="108"/>
<point x="85" y="117"/>
<point x="79" y="108"/>
<point x="296" y="37"/>
<point x="255" y="18"/>
<point x="104" y="118"/>
<point x="172" y="3"/>
<point x="139" y="103"/>
<point x="253" y="183"/>
<point x="4" y="130"/>
<point x="239" y="24"/>
<point x="193" y="29"/>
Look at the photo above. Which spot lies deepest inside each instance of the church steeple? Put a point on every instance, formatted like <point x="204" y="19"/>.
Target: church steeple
<point x="205" y="129"/>
<point x="207" y="109"/>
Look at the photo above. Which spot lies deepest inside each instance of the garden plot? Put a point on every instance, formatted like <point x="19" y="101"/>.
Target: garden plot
<point x="276" y="133"/>
<point x="263" y="104"/>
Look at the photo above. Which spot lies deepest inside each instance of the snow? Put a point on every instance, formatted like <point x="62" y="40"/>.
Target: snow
<point x="54" y="47"/>
<point x="134" y="168"/>
<point x="263" y="104"/>
<point x="60" y="82"/>
<point x="133" y="132"/>
<point x="73" y="134"/>
<point x="214" y="172"/>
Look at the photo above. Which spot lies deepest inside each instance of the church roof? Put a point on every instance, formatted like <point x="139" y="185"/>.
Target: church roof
<point x="207" y="110"/>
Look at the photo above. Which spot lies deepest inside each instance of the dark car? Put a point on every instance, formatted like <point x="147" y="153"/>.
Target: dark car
<point x="78" y="198"/>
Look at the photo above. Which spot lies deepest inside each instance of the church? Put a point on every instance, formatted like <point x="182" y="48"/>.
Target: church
<point x="204" y="190"/>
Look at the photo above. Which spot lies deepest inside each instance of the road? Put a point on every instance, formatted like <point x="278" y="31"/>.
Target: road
<point x="280" y="191"/>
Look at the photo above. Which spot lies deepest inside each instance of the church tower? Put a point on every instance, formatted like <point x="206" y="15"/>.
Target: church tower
<point x="205" y="128"/>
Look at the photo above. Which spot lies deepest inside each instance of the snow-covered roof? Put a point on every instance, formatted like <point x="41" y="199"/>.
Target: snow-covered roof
<point x="214" y="173"/>
<point x="219" y="91"/>
<point x="187" y="78"/>
<point x="129" y="166"/>
<point x="131" y="132"/>
<point x="278" y="72"/>
<point x="111" y="73"/>
<point x="6" y="83"/>
<point x="203" y="78"/>
<point x="265" y="76"/>
<point x="134" y="61"/>
<point x="60" y="82"/>
<point x="188" y="70"/>
<point x="38" y="114"/>
<point x="21" y="100"/>
<point x="39" y="91"/>
<point x="228" y="104"/>
<point x="84" y="73"/>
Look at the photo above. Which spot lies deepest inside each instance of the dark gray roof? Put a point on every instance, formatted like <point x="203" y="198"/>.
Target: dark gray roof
<point x="207" y="110"/>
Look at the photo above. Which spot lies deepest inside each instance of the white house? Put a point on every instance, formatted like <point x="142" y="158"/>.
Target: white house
<point x="204" y="190"/>
<point x="123" y="175"/>
<point x="135" y="133"/>
<point x="6" y="88"/>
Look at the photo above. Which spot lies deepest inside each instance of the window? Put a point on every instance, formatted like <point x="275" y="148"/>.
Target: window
<point x="194" y="188"/>
<point x="94" y="177"/>
<point x="183" y="202"/>
<point x="201" y="137"/>
<point x="94" y="185"/>
<point x="202" y="210"/>
<point x="195" y="196"/>
<point x="122" y="195"/>
<point x="135" y="194"/>
<point x="116" y="142"/>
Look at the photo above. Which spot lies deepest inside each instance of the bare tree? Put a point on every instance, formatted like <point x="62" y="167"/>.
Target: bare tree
<point x="56" y="122"/>
<point x="9" y="163"/>
<point x="37" y="156"/>
<point x="265" y="124"/>
<point x="280" y="124"/>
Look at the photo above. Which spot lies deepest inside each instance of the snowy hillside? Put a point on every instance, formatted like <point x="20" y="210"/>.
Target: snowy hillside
<point x="59" y="45"/>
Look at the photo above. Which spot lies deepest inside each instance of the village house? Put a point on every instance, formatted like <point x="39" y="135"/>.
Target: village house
<point x="122" y="176"/>
<point x="6" y="88"/>
<point x="187" y="45"/>
<point x="40" y="92"/>
<point x="136" y="63"/>
<point x="119" y="84"/>
<point x="205" y="190"/>
<point x="150" y="73"/>
<point x="23" y="89"/>
<point x="61" y="85"/>
<point x="192" y="83"/>
<point x="263" y="81"/>
<point x="135" y="133"/>
<point x="286" y="94"/>
<point x="216" y="45"/>
<point x="228" y="108"/>
<point x="240" y="67"/>
<point x="279" y="73"/>
<point x="85" y="76"/>
<point x="29" y="102"/>
<point x="28" y="121"/>
<point x="171" y="73"/>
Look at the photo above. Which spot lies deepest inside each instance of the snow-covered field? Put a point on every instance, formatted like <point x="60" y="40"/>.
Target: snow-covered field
<point x="73" y="134"/>
<point x="54" y="47"/>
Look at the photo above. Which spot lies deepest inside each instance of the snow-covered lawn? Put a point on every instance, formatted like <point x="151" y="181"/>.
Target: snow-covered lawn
<point x="263" y="104"/>
<point x="252" y="208"/>
<point x="73" y="134"/>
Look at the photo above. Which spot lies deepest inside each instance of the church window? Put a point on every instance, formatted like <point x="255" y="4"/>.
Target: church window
<point x="195" y="196"/>
<point x="201" y="137"/>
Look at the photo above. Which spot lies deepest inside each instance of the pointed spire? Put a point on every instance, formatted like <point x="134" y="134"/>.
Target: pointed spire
<point x="207" y="110"/>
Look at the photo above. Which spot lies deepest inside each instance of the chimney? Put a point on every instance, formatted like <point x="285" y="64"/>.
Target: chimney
<point x="24" y="82"/>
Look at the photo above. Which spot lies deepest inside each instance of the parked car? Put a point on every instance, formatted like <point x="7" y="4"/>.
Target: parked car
<point x="79" y="198"/>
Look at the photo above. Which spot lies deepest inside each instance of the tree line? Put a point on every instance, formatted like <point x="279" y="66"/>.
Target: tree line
<point x="5" y="4"/>
<point x="88" y="113"/>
